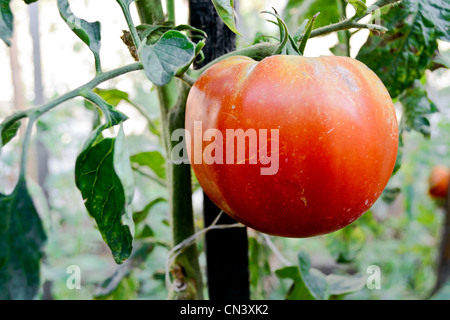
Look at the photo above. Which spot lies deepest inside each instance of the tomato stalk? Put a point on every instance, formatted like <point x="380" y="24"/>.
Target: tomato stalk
<point x="126" y="12"/>
<point x="170" y="5"/>
<point x="188" y="282"/>
<point x="344" y="36"/>
<point x="150" y="11"/>
<point x="257" y="52"/>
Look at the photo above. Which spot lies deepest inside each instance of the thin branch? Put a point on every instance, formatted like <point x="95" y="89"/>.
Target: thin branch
<point x="170" y="5"/>
<point x="257" y="52"/>
<point x="131" y="27"/>
<point x="25" y="149"/>
<point x="381" y="3"/>
<point x="187" y="79"/>
<point x="346" y="25"/>
<point x="40" y="110"/>
<point x="352" y="22"/>
<point x="275" y="250"/>
<point x="158" y="180"/>
<point x="98" y="65"/>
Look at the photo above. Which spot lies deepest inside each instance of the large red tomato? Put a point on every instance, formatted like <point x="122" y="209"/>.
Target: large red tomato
<point x="336" y="144"/>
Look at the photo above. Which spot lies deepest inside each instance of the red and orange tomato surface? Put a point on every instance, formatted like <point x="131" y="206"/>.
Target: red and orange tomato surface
<point x="337" y="140"/>
<point x="438" y="181"/>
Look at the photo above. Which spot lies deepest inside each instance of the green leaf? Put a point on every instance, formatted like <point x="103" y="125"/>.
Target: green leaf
<point x="140" y="216"/>
<point x="165" y="58"/>
<point x="198" y="48"/>
<point x="340" y="285"/>
<point x="186" y="27"/>
<point x="30" y="1"/>
<point x="309" y="283"/>
<point x="146" y="232"/>
<point x="297" y="291"/>
<point x="126" y="289"/>
<point x="359" y="6"/>
<point x="113" y="117"/>
<point x="151" y="33"/>
<point x="441" y="60"/>
<point x="88" y="32"/>
<point x="121" y="285"/>
<point x="112" y="96"/>
<point x="301" y="29"/>
<point x="287" y="44"/>
<point x="9" y="132"/>
<point x="416" y="107"/>
<point x="403" y="53"/>
<point x="437" y="11"/>
<point x="390" y="194"/>
<point x="290" y="272"/>
<point x="305" y="37"/>
<point x="122" y="166"/>
<point x="313" y="279"/>
<point x="297" y="11"/>
<point x="225" y="11"/>
<point x="106" y="100"/>
<point x="340" y="49"/>
<point x="103" y="175"/>
<point x="153" y="160"/>
<point x="22" y="238"/>
<point x="345" y="244"/>
<point x="6" y="22"/>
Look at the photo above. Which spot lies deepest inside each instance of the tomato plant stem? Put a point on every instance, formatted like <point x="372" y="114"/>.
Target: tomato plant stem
<point x="344" y="36"/>
<point x="188" y="282"/>
<point x="258" y="52"/>
<point x="98" y="65"/>
<point x="344" y="25"/>
<point x="180" y="204"/>
<point x="187" y="79"/>
<point x="380" y="4"/>
<point x="352" y="22"/>
<point x="150" y="10"/>
<point x="170" y="5"/>
<point x="126" y="12"/>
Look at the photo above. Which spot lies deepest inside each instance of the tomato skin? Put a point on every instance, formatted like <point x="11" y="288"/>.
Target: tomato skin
<point x="338" y="140"/>
<point x="439" y="181"/>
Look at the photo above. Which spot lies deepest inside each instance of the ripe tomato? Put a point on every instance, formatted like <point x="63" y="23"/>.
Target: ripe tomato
<point x="336" y="146"/>
<point x="438" y="181"/>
